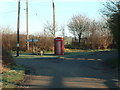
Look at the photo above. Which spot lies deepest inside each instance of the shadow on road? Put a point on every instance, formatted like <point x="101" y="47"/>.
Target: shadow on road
<point x="69" y="73"/>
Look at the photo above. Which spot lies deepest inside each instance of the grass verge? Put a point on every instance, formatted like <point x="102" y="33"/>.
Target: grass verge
<point x="12" y="76"/>
<point x="89" y="50"/>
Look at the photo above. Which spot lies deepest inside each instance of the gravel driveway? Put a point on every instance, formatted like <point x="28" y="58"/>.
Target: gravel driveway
<point x="85" y="71"/>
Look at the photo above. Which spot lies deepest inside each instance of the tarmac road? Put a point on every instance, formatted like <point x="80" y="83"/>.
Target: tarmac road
<point x="85" y="71"/>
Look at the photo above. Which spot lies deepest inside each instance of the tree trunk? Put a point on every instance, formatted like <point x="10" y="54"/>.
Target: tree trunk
<point x="79" y="37"/>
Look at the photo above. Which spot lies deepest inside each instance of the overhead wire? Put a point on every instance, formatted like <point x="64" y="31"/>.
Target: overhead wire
<point x="8" y="12"/>
<point x="31" y="9"/>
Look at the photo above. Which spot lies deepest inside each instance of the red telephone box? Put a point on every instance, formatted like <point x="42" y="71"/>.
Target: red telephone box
<point x="59" y="46"/>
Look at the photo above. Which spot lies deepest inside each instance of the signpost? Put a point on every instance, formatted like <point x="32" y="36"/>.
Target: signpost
<point x="32" y="40"/>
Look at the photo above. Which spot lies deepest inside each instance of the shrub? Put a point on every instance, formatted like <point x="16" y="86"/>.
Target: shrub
<point x="7" y="59"/>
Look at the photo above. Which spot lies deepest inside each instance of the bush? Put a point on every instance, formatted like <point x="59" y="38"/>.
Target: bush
<point x="7" y="58"/>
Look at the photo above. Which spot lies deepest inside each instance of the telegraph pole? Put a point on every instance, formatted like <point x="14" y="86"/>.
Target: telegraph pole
<point x="54" y="19"/>
<point x="18" y="27"/>
<point x="27" y="36"/>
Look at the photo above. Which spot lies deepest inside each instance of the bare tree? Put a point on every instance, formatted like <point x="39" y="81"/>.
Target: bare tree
<point x="8" y="38"/>
<point x="45" y="42"/>
<point x="49" y="29"/>
<point x="105" y="35"/>
<point x="100" y="36"/>
<point x="93" y="35"/>
<point x="62" y="29"/>
<point x="78" y="25"/>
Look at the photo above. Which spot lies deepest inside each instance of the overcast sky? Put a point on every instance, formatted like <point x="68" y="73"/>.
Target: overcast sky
<point x="40" y="11"/>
